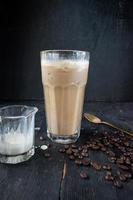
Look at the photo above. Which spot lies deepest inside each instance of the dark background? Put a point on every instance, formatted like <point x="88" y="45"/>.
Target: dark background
<point x="103" y="27"/>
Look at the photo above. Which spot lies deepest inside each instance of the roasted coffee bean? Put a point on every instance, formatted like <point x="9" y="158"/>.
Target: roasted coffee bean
<point x="84" y="146"/>
<point x="84" y="150"/>
<point x="116" y="144"/>
<point x="71" y="157"/>
<point x="80" y="148"/>
<point x="119" y="161"/>
<point x="127" y="174"/>
<point x="86" y="161"/>
<point x="109" y="176"/>
<point x="131" y="156"/>
<point x="122" y="177"/>
<point x="106" y="143"/>
<point x="84" y="154"/>
<point x="107" y="152"/>
<point x="107" y="167"/>
<point x="66" y="146"/>
<point x="84" y="174"/>
<point x="78" y="162"/>
<point x="88" y="146"/>
<point x="122" y="148"/>
<point x="93" y="142"/>
<point x="123" y="157"/>
<point x="116" y="132"/>
<point x="109" y="173"/>
<point x="73" y="146"/>
<point x="69" y="151"/>
<point x="116" y="139"/>
<point x="128" y="150"/>
<point x="118" y="172"/>
<point x="95" y="165"/>
<point x="127" y="161"/>
<point x="100" y="145"/>
<point x="118" y="148"/>
<point x="76" y="154"/>
<point x="131" y="145"/>
<point x="126" y="144"/>
<point x="62" y="150"/>
<point x="123" y="167"/>
<point x="112" y="159"/>
<point x="80" y="157"/>
<point x="111" y="153"/>
<point x="97" y="140"/>
<point x="47" y="155"/>
<point x="126" y="153"/>
<point x="117" y="183"/>
<point x="95" y="147"/>
<point x="103" y="149"/>
<point x="75" y="150"/>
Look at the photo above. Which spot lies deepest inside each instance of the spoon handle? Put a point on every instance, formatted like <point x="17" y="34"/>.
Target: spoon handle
<point x="120" y="129"/>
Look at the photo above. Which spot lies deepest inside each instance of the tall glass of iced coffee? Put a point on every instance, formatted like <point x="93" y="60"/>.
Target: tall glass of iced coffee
<point x="64" y="76"/>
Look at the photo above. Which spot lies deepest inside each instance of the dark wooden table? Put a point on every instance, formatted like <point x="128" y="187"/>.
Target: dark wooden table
<point x="42" y="178"/>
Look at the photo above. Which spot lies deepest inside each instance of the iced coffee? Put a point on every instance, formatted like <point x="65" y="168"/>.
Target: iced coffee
<point x="64" y="81"/>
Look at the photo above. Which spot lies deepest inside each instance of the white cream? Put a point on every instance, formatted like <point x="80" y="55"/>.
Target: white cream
<point x="15" y="143"/>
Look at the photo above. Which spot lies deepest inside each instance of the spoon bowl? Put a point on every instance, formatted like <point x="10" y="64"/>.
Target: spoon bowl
<point x="92" y="118"/>
<point x="96" y="120"/>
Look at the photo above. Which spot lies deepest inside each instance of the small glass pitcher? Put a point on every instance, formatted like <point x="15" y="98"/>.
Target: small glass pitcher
<point x="17" y="133"/>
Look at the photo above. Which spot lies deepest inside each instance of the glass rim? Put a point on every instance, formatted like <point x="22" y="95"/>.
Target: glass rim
<point x="35" y="109"/>
<point x="64" y="50"/>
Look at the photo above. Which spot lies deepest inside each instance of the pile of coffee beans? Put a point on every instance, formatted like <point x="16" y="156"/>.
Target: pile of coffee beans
<point x="117" y="146"/>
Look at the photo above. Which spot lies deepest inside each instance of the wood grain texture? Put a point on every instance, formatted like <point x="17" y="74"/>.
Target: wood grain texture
<point x="57" y="178"/>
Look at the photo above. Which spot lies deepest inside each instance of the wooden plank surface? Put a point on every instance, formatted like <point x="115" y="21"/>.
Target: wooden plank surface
<point x="42" y="178"/>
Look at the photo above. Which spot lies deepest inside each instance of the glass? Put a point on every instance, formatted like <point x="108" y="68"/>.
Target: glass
<point x="64" y="76"/>
<point x="16" y="133"/>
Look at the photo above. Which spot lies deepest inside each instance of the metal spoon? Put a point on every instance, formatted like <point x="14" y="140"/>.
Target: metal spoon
<point x="94" y="119"/>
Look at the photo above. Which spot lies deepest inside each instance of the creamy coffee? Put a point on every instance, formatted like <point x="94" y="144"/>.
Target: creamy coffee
<point x="64" y="85"/>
